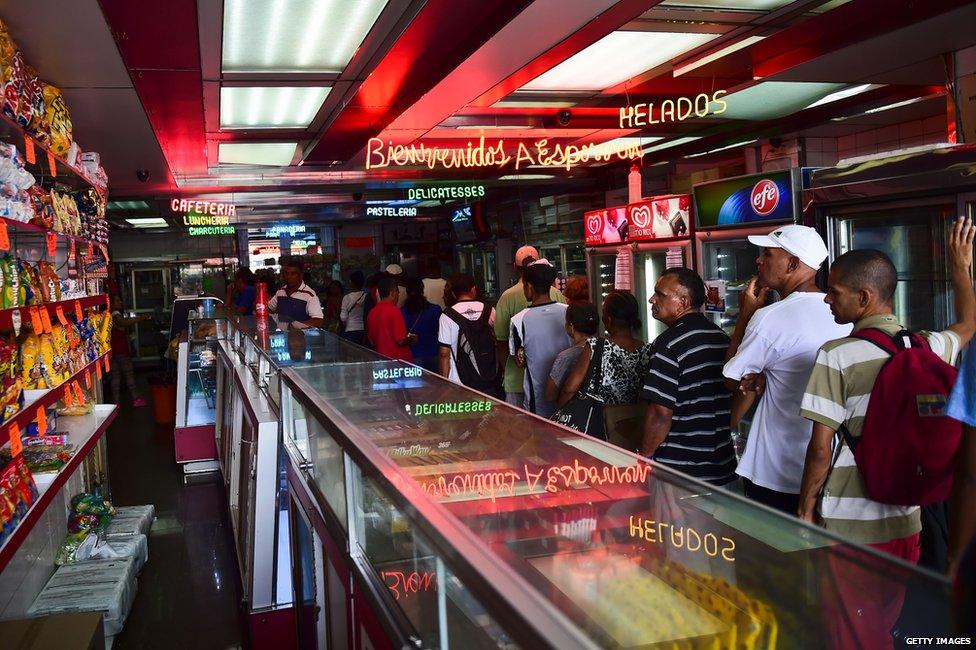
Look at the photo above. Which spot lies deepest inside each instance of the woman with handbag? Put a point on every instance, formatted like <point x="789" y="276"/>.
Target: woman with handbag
<point x="620" y="362"/>
<point x="582" y="322"/>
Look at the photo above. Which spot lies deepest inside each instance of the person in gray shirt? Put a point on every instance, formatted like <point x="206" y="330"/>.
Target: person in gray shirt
<point x="538" y="335"/>
<point x="582" y="322"/>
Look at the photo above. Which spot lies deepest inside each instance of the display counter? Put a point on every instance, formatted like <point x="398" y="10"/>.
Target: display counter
<point x="196" y="394"/>
<point x="428" y="515"/>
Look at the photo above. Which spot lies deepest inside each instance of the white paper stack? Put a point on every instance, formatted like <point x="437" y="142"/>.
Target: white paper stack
<point x="130" y="520"/>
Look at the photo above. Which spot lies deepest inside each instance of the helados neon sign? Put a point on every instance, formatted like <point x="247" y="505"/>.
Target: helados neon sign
<point x="541" y="152"/>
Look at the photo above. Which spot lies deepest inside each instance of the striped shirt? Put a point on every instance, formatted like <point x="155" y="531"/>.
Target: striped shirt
<point x="686" y="377"/>
<point x="300" y="305"/>
<point x="838" y="393"/>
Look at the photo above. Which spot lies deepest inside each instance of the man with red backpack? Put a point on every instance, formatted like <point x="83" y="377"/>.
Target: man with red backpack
<point x="882" y="391"/>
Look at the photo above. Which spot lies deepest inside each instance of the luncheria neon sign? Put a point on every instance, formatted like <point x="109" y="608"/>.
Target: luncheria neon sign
<point x="539" y="152"/>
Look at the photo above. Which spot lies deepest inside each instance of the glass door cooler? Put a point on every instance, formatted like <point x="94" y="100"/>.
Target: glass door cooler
<point x="727" y="211"/>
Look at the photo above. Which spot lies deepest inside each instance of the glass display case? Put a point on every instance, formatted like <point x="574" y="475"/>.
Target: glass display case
<point x="196" y="393"/>
<point x="468" y="523"/>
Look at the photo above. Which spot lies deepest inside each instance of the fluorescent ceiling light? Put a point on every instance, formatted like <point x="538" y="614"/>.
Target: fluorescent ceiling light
<point x="771" y="99"/>
<point x="154" y="222"/>
<point x="842" y="94"/>
<point x="295" y="35"/>
<point x="528" y="103"/>
<point x="833" y="4"/>
<point x="728" y="146"/>
<point x="277" y="154"/>
<point x="392" y="202"/>
<point x="716" y="55"/>
<point x="525" y="177"/>
<point x="260" y="107"/>
<point x="482" y="127"/>
<point x="741" y="5"/>
<point x="881" y="109"/>
<point x="620" y="144"/>
<point x="128" y="205"/>
<point x="671" y="143"/>
<point x="615" y="58"/>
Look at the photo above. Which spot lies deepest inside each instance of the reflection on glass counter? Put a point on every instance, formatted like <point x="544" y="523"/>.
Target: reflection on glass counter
<point x="629" y="553"/>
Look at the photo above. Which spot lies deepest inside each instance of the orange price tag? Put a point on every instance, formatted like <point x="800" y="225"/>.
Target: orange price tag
<point x="4" y="236"/>
<point x="41" y="421"/>
<point x="69" y="399"/>
<point x="108" y="368"/>
<point x="52" y="163"/>
<point x="16" y="446"/>
<point x="72" y="253"/>
<point x="78" y="313"/>
<point x="108" y="305"/>
<point x="98" y="371"/>
<point x="79" y="396"/>
<point x="45" y="319"/>
<point x="60" y="313"/>
<point x="29" y="154"/>
<point x="52" y="243"/>
<point x="88" y="379"/>
<point x="36" y="323"/>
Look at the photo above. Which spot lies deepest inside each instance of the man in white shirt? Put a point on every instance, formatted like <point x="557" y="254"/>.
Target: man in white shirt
<point x="770" y="357"/>
<point x="468" y="306"/>
<point x="296" y="303"/>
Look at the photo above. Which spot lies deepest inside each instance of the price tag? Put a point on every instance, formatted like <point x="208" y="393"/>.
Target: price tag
<point x="4" y="236"/>
<point x="36" y="323"/>
<point x="60" y="313"/>
<point x="88" y="379"/>
<point x="45" y="319"/>
<point x="98" y="371"/>
<point x="108" y="368"/>
<point x="78" y="314"/>
<point x="72" y="253"/>
<point x="79" y="396"/>
<point x="108" y="305"/>
<point x="16" y="446"/>
<point x="52" y="163"/>
<point x="41" y="421"/>
<point x="15" y="321"/>
<point x="52" y="243"/>
<point x="69" y="399"/>
<point x="29" y="154"/>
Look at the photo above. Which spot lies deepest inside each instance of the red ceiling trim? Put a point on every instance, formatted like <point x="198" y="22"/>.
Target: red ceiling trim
<point x="443" y="34"/>
<point x="159" y="45"/>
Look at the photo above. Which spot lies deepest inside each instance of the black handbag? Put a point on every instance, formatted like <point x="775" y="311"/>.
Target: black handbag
<point x="584" y="412"/>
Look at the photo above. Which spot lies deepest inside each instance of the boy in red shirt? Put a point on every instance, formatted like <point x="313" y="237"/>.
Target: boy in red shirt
<point x="385" y="327"/>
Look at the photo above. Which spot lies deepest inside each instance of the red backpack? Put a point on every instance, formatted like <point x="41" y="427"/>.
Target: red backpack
<point x="907" y="449"/>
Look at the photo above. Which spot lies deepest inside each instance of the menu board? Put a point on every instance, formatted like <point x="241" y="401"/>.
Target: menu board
<point x="607" y="226"/>
<point x="746" y="200"/>
<point x="659" y="217"/>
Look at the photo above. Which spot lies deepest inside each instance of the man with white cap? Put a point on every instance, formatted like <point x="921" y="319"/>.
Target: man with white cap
<point x="770" y="358"/>
<point x="396" y="271"/>
<point x="511" y="302"/>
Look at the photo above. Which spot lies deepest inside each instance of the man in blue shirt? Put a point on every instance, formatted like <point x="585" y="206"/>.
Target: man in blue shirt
<point x="242" y="292"/>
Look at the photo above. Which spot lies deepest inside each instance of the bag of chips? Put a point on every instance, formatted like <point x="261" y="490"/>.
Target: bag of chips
<point x="91" y="504"/>
<point x="58" y="119"/>
<point x="50" y="282"/>
<point x="35" y="97"/>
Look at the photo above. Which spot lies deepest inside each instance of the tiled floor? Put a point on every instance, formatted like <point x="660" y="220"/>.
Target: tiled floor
<point x="189" y="592"/>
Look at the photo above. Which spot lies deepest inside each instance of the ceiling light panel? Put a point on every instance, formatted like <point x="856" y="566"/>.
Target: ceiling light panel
<point x="772" y="99"/>
<point x="154" y="222"/>
<point x="671" y="143"/>
<point x="261" y="107"/>
<point x="716" y="55"/>
<point x="735" y="5"/>
<point x="276" y="154"/>
<point x="615" y="58"/>
<point x="528" y="103"/>
<point x="295" y="35"/>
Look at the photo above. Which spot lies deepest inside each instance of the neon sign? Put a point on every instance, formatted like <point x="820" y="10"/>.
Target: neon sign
<point x="450" y="192"/>
<point x="681" y="537"/>
<point x="451" y="408"/>
<point x="409" y="583"/>
<point x="290" y="229"/>
<point x="539" y="152"/>
<point x="205" y="217"/>
<point x="211" y="230"/>
<point x="397" y="373"/>
<point x="673" y="110"/>
<point x="376" y="211"/>
<point x="213" y="208"/>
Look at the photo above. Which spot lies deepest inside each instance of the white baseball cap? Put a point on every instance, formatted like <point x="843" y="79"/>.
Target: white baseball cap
<point x="525" y="252"/>
<point x="802" y="241"/>
<point x="394" y="269"/>
<point x="542" y="262"/>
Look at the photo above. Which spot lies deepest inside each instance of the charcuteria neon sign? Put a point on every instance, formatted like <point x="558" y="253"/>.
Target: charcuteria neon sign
<point x="380" y="154"/>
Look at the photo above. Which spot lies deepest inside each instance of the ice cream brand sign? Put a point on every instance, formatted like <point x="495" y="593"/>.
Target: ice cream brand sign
<point x="765" y="197"/>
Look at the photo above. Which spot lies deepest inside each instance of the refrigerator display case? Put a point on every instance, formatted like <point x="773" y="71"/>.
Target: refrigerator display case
<point x="728" y="211"/>
<point x="196" y="394"/>
<point x="901" y="205"/>
<point x="438" y="517"/>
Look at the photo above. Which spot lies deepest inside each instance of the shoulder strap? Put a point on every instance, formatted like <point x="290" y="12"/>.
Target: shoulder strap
<point x="453" y="314"/>
<point x="485" y="314"/>
<point x="594" y="374"/>
<point x="891" y="343"/>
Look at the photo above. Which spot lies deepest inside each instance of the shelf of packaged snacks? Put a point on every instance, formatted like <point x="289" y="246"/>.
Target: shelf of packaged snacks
<point x="13" y="224"/>
<point x="69" y="175"/>
<point x="49" y="397"/>
<point x="67" y="308"/>
<point x="84" y="432"/>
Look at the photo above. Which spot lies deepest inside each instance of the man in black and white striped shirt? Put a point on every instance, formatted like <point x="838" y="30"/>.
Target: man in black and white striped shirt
<point x="687" y="423"/>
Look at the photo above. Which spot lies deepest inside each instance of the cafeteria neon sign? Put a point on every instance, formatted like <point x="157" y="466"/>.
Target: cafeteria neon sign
<point x="540" y="152"/>
<point x="205" y="218"/>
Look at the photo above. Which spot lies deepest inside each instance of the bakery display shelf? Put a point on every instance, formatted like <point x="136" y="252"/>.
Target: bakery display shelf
<point x="29" y="228"/>
<point x="67" y="308"/>
<point x="84" y="432"/>
<point x="46" y="397"/>
<point x="66" y="174"/>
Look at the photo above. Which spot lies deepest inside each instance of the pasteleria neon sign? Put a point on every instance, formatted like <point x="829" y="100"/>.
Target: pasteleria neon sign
<point x="538" y="152"/>
<point x="673" y="110"/>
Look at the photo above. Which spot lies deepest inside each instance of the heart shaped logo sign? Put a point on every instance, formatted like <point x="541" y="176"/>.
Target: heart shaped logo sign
<point x="593" y="224"/>
<point x="640" y="216"/>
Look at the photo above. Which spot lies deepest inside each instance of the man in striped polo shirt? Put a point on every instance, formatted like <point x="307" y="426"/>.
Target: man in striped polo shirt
<point x="860" y="290"/>
<point x="295" y="303"/>
<point x="687" y="421"/>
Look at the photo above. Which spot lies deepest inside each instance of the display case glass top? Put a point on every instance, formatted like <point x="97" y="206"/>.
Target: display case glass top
<point x="632" y="553"/>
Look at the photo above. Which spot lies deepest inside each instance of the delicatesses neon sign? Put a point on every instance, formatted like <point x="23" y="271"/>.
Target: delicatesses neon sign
<point x="673" y="110"/>
<point x="539" y="152"/>
<point x="448" y="192"/>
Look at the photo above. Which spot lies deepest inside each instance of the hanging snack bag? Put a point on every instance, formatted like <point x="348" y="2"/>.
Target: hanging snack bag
<point x="50" y="282"/>
<point x="6" y="269"/>
<point x="58" y="119"/>
<point x="35" y="96"/>
<point x="30" y="362"/>
<point x="62" y="358"/>
<point x="49" y="367"/>
<point x="43" y="210"/>
<point x="91" y="504"/>
<point x="29" y="284"/>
